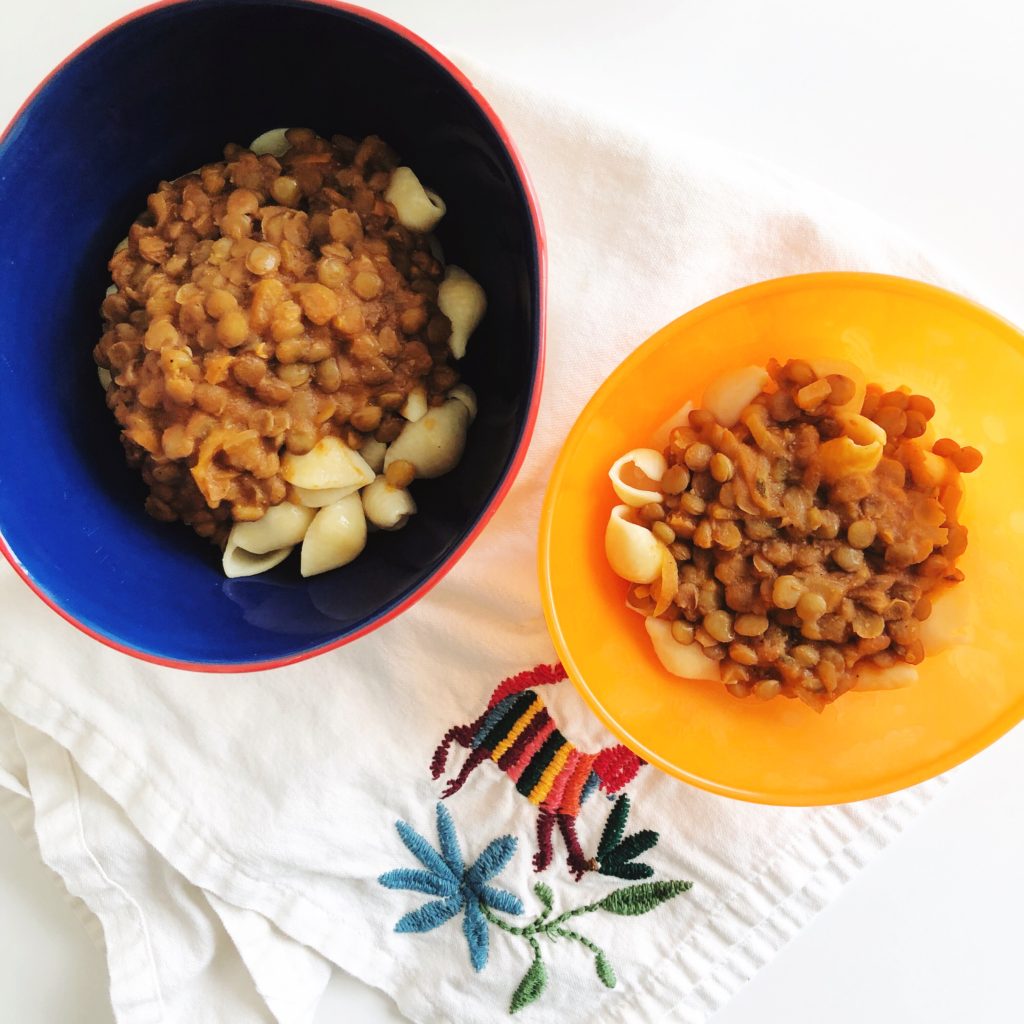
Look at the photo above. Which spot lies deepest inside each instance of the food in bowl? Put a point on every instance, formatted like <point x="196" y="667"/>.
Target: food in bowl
<point x="792" y="535"/>
<point x="279" y="346"/>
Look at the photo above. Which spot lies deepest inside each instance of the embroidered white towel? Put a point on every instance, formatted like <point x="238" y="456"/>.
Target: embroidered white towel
<point x="229" y="833"/>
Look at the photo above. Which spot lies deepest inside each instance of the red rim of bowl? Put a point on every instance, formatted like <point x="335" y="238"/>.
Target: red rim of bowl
<point x="531" y="417"/>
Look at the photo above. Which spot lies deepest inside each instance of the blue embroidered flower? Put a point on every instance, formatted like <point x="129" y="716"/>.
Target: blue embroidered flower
<point x="459" y="888"/>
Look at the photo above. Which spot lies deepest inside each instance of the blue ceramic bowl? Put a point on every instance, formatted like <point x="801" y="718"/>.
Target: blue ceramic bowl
<point x="152" y="97"/>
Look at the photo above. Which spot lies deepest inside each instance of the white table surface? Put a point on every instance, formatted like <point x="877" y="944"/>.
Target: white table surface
<point x="916" y="109"/>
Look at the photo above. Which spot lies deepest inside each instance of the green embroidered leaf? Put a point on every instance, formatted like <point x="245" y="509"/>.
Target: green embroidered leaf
<point x="632" y="846"/>
<point x="614" y="826"/>
<point x="639" y="899"/>
<point x="546" y="896"/>
<point x="530" y="988"/>
<point x="631" y="871"/>
<point x="605" y="971"/>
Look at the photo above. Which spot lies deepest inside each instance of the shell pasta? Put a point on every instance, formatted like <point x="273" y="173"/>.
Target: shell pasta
<point x="433" y="444"/>
<point x="335" y="537"/>
<point x="462" y="300"/>
<point x="633" y="551"/>
<point x="416" y="207"/>
<point x="387" y="507"/>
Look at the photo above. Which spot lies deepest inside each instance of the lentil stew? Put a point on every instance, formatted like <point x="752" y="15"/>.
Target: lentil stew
<point x="792" y="535"/>
<point x="268" y="303"/>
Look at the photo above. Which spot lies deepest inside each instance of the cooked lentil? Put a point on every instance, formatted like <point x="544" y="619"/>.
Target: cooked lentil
<point x="263" y="303"/>
<point x="797" y="575"/>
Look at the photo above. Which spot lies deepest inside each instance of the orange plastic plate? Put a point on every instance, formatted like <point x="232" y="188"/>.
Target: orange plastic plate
<point x="901" y="332"/>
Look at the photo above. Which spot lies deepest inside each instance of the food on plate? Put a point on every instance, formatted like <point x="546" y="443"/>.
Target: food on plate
<point x="279" y="348"/>
<point x="794" y="532"/>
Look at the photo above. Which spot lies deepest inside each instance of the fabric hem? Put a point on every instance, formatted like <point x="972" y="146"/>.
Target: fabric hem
<point x="60" y="841"/>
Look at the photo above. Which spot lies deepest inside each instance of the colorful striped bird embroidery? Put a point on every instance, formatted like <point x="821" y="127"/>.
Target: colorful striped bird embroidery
<point x="517" y="733"/>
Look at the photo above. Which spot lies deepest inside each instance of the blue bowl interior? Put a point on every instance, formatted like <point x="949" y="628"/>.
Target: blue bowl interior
<point x="156" y="98"/>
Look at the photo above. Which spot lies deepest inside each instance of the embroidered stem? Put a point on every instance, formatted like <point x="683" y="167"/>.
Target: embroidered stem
<point x="575" y="912"/>
<point x="541" y="927"/>
<point x="526" y="931"/>
<point x="568" y="933"/>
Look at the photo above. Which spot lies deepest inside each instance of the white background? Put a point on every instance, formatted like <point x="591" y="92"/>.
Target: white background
<point x="915" y="109"/>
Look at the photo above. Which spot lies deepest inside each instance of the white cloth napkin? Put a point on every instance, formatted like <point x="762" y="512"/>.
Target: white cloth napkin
<point x="229" y="833"/>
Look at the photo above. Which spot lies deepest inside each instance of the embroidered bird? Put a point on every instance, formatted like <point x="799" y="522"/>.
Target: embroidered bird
<point x="518" y="734"/>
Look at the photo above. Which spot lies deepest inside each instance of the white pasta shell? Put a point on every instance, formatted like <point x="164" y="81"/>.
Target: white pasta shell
<point x="433" y="444"/>
<point x="273" y="142"/>
<point x="387" y="507"/>
<point x="862" y="430"/>
<point x="373" y="452"/>
<point x="111" y="289"/>
<point x="416" y="207"/>
<point x="104" y="375"/>
<point x="463" y="301"/>
<point x="927" y="468"/>
<point x="280" y="526"/>
<point x="415" y="407"/>
<point x="842" y="456"/>
<point x="648" y="461"/>
<point x="727" y="396"/>
<point x="857" y="450"/>
<point x="336" y="536"/>
<point x="467" y="396"/>
<point x="633" y="552"/>
<point x="318" y="499"/>
<point x="238" y="562"/>
<point x="685" y="660"/>
<point x="330" y="463"/>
